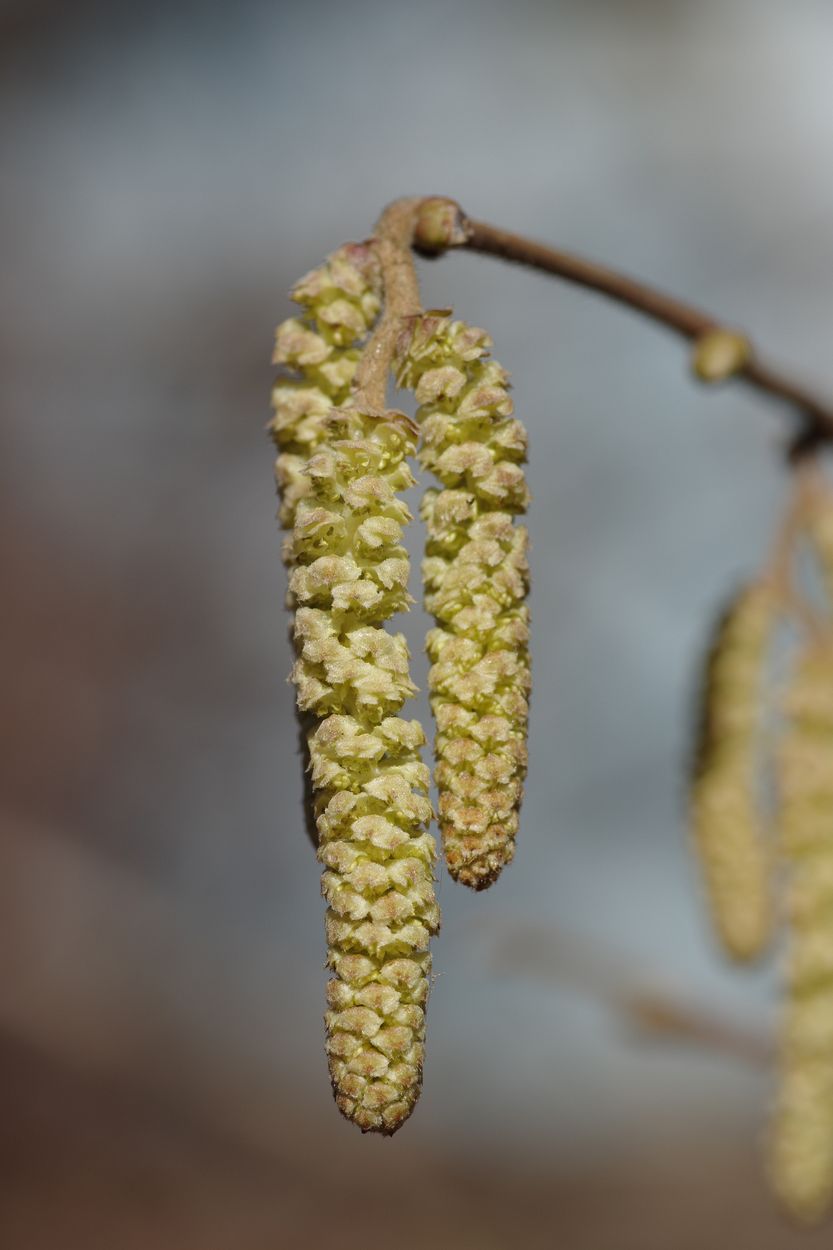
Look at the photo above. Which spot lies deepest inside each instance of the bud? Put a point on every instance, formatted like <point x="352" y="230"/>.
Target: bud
<point x="440" y="224"/>
<point x="719" y="354"/>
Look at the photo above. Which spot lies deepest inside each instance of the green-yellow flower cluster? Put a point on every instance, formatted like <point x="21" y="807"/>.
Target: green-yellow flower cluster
<point x="728" y="827"/>
<point x="340" y="470"/>
<point x="802" y="1132"/>
<point x="476" y="579"/>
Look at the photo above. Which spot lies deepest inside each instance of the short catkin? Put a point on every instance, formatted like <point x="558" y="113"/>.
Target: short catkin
<point x="801" y="1140"/>
<point x="342" y="469"/>
<point x="729" y="835"/>
<point x="476" y="578"/>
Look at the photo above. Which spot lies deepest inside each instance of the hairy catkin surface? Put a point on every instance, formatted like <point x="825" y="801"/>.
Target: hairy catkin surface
<point x="476" y="579"/>
<point x="732" y="845"/>
<point x="801" y="1146"/>
<point x="339" y="471"/>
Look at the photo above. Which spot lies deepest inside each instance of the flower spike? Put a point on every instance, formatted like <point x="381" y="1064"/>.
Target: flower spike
<point x="801" y="1145"/>
<point x="340" y="471"/>
<point x="476" y="579"/>
<point x="728" y="828"/>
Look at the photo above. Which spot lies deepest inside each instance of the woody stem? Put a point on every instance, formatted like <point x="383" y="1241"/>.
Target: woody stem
<point x="448" y="226"/>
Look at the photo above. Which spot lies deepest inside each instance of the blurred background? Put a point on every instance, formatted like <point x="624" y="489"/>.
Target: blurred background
<point x="166" y="172"/>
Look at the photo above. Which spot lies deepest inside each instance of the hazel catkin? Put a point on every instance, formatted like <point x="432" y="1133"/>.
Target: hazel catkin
<point x="728" y="829"/>
<point x="476" y="578"/>
<point x="340" y="471"/>
<point x="801" y="1139"/>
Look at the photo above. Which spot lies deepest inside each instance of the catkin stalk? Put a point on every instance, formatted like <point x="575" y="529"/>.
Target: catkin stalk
<point x="340" y="472"/>
<point x="476" y="578"/>
<point x="728" y="832"/>
<point x="819" y="528"/>
<point x="801" y="1144"/>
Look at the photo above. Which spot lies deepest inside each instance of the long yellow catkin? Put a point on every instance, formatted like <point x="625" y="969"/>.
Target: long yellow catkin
<point x="476" y="578"/>
<point x="340" y="472"/>
<point x="727" y="826"/>
<point x="320" y="351"/>
<point x="801" y="1143"/>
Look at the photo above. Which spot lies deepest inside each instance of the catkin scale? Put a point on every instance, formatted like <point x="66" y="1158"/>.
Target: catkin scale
<point x="801" y="1138"/>
<point x="340" y="471"/>
<point x="476" y="578"/>
<point x="727" y="825"/>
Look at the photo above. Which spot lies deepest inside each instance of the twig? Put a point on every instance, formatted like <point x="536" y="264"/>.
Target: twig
<point x="393" y="238"/>
<point x="443" y="224"/>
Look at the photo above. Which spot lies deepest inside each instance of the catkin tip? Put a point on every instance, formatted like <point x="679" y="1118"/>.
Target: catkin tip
<point x="474" y="869"/>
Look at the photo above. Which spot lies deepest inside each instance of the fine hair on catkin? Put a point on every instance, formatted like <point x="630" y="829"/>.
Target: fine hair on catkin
<point x="729" y="831"/>
<point x="340" y="471"/>
<point x="476" y="578"/>
<point x="801" y="1135"/>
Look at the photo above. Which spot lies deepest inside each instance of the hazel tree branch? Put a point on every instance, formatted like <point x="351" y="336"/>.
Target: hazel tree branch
<point x="393" y="237"/>
<point x="718" y="352"/>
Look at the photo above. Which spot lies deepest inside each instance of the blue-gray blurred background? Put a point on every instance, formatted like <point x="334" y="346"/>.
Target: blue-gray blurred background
<point x="166" y="172"/>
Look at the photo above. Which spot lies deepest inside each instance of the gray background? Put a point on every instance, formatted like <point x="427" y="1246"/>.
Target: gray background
<point x="166" y="172"/>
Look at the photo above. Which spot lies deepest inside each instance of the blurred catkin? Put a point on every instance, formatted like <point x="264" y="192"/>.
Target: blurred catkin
<point x="728" y="830"/>
<point x="476" y="579"/>
<point x="339" y="471"/>
<point x="819" y="528"/>
<point x="801" y="1146"/>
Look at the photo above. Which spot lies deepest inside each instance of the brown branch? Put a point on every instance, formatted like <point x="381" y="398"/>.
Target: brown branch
<point x="393" y="238"/>
<point x="443" y="224"/>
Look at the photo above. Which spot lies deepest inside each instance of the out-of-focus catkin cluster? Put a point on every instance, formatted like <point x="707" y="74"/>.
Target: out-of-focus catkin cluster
<point x="802" y="1132"/>
<point x="729" y="830"/>
<point x="476" y="580"/>
<point x="744" y="731"/>
<point x="340" y="470"/>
